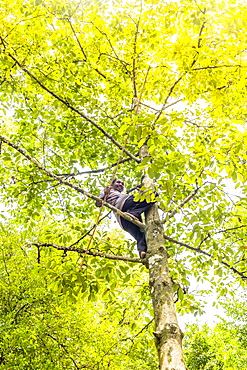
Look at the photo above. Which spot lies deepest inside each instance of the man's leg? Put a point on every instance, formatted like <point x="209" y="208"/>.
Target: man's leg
<point x="134" y="231"/>
<point x="136" y="208"/>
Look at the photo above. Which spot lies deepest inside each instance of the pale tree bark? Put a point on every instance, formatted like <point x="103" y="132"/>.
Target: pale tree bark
<point x="168" y="336"/>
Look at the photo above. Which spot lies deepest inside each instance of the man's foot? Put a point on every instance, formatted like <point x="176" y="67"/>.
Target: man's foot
<point x="143" y="255"/>
<point x="132" y="216"/>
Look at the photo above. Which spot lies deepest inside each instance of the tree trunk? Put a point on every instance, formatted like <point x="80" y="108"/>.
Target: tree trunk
<point x="168" y="336"/>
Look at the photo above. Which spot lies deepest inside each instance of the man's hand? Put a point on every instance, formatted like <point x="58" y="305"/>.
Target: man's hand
<point x="106" y="193"/>
<point x="107" y="190"/>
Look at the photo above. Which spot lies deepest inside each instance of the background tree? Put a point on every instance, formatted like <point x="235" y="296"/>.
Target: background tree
<point x="163" y="84"/>
<point x="221" y="347"/>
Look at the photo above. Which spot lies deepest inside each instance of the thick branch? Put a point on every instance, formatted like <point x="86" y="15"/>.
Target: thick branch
<point x="65" y="102"/>
<point x="67" y="183"/>
<point x="89" y="252"/>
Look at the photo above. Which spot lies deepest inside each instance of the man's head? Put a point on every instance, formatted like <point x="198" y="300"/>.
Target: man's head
<point x="117" y="184"/>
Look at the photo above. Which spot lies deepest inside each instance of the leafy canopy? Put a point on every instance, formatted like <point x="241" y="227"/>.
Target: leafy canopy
<point x="73" y="77"/>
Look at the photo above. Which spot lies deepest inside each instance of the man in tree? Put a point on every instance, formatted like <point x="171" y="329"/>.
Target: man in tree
<point x="125" y="202"/>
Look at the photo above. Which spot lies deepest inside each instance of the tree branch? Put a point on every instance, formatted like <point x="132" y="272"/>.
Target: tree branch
<point x="180" y="78"/>
<point x="65" y="350"/>
<point x="222" y="231"/>
<point x="65" y="102"/>
<point x="89" y="231"/>
<point x="168" y="96"/>
<point x="214" y="67"/>
<point x="95" y="171"/>
<point x="123" y="340"/>
<point x="134" y="59"/>
<point x="89" y="252"/>
<point x="144" y="328"/>
<point x="67" y="183"/>
<point x="82" y="50"/>
<point x="202" y="11"/>
<point x="112" y="48"/>
<point x="186" y="200"/>
<point x="199" y="38"/>
<point x="199" y="250"/>
<point x="73" y="175"/>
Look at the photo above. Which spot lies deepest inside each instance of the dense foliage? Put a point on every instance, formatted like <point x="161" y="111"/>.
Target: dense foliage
<point x="84" y="84"/>
<point x="42" y="327"/>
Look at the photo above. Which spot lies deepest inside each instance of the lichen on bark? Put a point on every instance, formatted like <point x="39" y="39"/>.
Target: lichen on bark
<point x="167" y="334"/>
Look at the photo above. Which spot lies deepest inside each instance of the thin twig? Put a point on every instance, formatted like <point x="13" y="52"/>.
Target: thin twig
<point x="125" y="339"/>
<point x="199" y="39"/>
<point x="223" y="66"/>
<point x="179" y="206"/>
<point x="168" y="96"/>
<point x="110" y="43"/>
<point x="94" y="171"/>
<point x="89" y="231"/>
<point x="134" y="59"/>
<point x="199" y="250"/>
<point x="65" y="350"/>
<point x="222" y="231"/>
<point x="82" y="50"/>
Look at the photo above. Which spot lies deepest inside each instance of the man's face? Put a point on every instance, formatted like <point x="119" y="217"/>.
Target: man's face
<point x="118" y="185"/>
